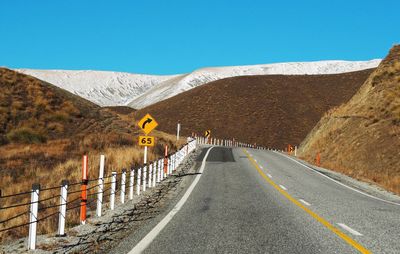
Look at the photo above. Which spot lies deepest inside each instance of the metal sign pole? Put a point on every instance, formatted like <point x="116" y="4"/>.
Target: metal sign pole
<point x="144" y="168"/>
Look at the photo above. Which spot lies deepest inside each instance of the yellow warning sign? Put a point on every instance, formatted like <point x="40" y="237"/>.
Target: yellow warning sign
<point x="207" y="133"/>
<point x="146" y="141"/>
<point x="147" y="124"/>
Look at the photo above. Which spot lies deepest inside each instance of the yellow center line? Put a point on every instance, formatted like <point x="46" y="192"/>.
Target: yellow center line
<point x="321" y="220"/>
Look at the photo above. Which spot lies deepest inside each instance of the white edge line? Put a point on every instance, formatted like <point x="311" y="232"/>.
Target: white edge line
<point x="354" y="232"/>
<point x="283" y="187"/>
<point x="146" y="241"/>
<point x="304" y="202"/>
<point x="342" y="184"/>
<point x="270" y="176"/>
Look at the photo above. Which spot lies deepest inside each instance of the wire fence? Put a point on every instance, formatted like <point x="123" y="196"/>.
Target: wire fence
<point x="50" y="206"/>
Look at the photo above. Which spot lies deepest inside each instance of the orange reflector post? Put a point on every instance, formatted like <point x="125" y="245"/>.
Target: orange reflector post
<point x="84" y="188"/>
<point x="318" y="159"/>
<point x="166" y="159"/>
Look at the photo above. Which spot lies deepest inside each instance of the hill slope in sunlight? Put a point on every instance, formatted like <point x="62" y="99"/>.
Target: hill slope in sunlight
<point x="362" y="137"/>
<point x="270" y="110"/>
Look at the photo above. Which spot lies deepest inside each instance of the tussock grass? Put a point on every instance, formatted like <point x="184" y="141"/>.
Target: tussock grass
<point x="25" y="135"/>
<point x="361" y="138"/>
<point x="15" y="181"/>
<point x="44" y="133"/>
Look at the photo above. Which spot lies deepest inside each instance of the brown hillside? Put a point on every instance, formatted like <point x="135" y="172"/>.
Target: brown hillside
<point x="362" y="137"/>
<point x="44" y="131"/>
<point x="270" y="110"/>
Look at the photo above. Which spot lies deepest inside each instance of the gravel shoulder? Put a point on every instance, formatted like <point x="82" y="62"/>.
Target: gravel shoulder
<point x="134" y="218"/>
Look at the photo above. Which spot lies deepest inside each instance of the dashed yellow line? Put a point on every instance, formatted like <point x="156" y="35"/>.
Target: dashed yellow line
<point x="321" y="220"/>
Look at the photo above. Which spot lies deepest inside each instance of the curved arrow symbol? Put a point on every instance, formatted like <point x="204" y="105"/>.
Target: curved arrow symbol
<point x="148" y="120"/>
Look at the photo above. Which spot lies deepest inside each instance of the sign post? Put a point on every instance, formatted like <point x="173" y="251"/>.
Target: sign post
<point x="147" y="124"/>
<point x="207" y="135"/>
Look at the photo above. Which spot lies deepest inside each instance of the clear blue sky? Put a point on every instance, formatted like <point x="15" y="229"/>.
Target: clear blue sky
<point x="167" y="36"/>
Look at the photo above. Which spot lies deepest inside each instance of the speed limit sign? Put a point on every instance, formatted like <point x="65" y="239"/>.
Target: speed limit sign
<point x="146" y="141"/>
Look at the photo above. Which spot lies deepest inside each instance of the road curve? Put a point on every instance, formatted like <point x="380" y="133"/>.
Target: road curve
<point x="256" y="201"/>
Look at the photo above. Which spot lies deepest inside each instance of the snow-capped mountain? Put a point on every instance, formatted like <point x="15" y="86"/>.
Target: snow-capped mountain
<point x="138" y="91"/>
<point x="178" y="84"/>
<point x="104" y="88"/>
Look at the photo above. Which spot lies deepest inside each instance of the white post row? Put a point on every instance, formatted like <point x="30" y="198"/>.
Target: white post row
<point x="113" y="186"/>
<point x="33" y="216"/>
<point x="156" y="171"/>
<point x="123" y="182"/>
<point x="63" y="208"/>
<point x="131" y="183"/>
<point x="101" y="186"/>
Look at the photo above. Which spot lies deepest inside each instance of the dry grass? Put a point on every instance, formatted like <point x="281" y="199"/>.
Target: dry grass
<point x="270" y="110"/>
<point x="44" y="133"/>
<point x="117" y="158"/>
<point x="361" y="138"/>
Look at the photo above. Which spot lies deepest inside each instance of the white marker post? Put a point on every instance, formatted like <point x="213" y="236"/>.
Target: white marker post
<point x="101" y="186"/>
<point x="158" y="171"/>
<point x="123" y="182"/>
<point x="131" y="183"/>
<point x="113" y="186"/>
<point x="173" y="163"/>
<point x="154" y="173"/>
<point x="63" y="208"/>
<point x="33" y="216"/>
<point x="139" y="176"/>
<point x="161" y="166"/>
<point x="150" y="174"/>
<point x="178" y="130"/>
<point x="169" y="165"/>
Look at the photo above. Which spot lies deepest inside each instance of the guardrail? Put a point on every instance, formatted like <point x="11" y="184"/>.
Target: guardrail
<point x="226" y="142"/>
<point x="147" y="176"/>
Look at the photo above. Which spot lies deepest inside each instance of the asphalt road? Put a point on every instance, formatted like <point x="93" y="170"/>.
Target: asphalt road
<point x="262" y="202"/>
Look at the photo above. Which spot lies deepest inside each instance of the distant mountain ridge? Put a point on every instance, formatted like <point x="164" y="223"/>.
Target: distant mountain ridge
<point x="138" y="91"/>
<point x="104" y="88"/>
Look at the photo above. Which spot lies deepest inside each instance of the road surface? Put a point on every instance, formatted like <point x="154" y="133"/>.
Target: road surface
<point x="257" y="201"/>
